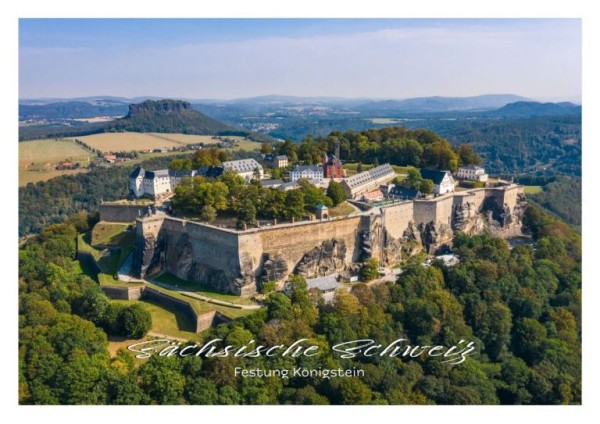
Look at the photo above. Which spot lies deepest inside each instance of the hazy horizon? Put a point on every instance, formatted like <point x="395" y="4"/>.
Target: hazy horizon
<point x="224" y="59"/>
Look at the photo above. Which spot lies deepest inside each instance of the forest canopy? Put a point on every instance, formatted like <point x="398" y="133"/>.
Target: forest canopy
<point x="521" y="307"/>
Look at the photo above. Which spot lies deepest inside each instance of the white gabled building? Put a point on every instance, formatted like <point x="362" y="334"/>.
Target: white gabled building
<point x="136" y="181"/>
<point x="442" y="180"/>
<point x="310" y="172"/>
<point x="246" y="168"/>
<point x="472" y="173"/>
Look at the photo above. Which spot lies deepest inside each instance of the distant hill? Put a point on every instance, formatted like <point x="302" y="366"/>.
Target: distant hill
<point x="441" y="104"/>
<point x="526" y="109"/>
<point x="168" y="116"/>
<point x="71" y="110"/>
<point x="162" y="116"/>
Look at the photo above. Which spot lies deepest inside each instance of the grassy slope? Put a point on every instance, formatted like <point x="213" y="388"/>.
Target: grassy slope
<point x="37" y="159"/>
<point x="200" y="289"/>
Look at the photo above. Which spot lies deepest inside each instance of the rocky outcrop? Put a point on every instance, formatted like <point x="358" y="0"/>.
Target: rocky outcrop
<point x="158" y="106"/>
<point x="326" y="259"/>
<point x="143" y="253"/>
<point x="412" y="241"/>
<point x="467" y="219"/>
<point x="519" y="209"/>
<point x="392" y="249"/>
<point x="435" y="235"/>
<point x="274" y="268"/>
<point x="462" y="214"/>
<point x="155" y="255"/>
<point x="365" y="244"/>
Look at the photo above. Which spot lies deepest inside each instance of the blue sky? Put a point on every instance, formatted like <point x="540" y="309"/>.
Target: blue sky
<point x="232" y="58"/>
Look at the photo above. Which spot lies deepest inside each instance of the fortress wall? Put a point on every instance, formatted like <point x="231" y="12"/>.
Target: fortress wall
<point x="207" y="246"/>
<point x="506" y="195"/>
<point x="293" y="241"/>
<point x="149" y="226"/>
<point x="444" y="210"/>
<point x="438" y="210"/>
<point x="476" y="197"/>
<point x="397" y="217"/>
<point x="510" y="195"/>
<point x="424" y="211"/>
<point x="233" y="261"/>
<point x="251" y="250"/>
<point x="124" y="293"/>
<point x="121" y="213"/>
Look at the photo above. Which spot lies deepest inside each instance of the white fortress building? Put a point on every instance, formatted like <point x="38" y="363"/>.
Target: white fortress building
<point x="472" y="173"/>
<point x="310" y="172"/>
<point x="163" y="182"/>
<point x="442" y="180"/>
<point x="156" y="183"/>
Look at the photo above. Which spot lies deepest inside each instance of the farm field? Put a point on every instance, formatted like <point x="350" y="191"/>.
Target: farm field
<point x="37" y="159"/>
<point x="131" y="141"/>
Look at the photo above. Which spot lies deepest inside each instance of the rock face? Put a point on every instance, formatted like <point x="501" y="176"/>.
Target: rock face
<point x="434" y="235"/>
<point x="142" y="254"/>
<point x="467" y="219"/>
<point x="274" y="268"/>
<point x="328" y="258"/>
<point x="158" y="106"/>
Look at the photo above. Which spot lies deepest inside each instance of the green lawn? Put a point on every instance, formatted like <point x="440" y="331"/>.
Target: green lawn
<point x="533" y="189"/>
<point x="109" y="263"/>
<point x="343" y="209"/>
<point x="107" y="233"/>
<point x="84" y="246"/>
<point x="172" y="280"/>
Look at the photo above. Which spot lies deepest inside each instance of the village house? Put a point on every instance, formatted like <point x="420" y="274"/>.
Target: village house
<point x="472" y="173"/>
<point x="66" y="165"/>
<point x="442" y="180"/>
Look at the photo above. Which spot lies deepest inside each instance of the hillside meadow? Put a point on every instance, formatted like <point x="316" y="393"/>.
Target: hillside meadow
<point x="37" y="159"/>
<point x="133" y="141"/>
